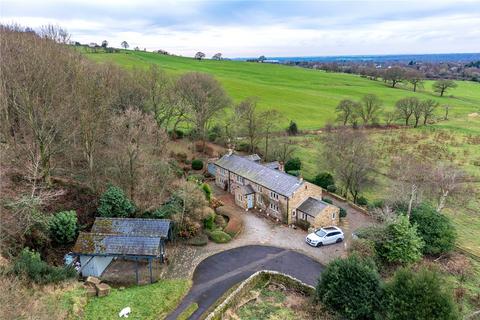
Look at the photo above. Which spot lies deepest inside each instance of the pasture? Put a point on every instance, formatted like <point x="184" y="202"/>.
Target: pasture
<point x="304" y="95"/>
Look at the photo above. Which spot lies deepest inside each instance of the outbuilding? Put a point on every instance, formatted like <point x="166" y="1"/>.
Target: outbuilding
<point x="126" y="238"/>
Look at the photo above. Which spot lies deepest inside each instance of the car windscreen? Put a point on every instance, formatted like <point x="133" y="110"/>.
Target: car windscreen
<point x="320" y="233"/>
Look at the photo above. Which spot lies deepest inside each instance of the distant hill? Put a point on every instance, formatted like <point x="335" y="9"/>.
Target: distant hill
<point x="306" y="96"/>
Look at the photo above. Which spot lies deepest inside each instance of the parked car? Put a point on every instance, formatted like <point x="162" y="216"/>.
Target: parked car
<point x="323" y="236"/>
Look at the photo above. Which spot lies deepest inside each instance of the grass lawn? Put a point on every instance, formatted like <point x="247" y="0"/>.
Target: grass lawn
<point x="153" y="301"/>
<point x="304" y="95"/>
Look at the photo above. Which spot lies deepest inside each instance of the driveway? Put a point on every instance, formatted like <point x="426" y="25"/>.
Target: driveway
<point x="218" y="273"/>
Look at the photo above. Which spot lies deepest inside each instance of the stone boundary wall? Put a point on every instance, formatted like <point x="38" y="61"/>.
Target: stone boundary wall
<point x="342" y="199"/>
<point x="236" y="296"/>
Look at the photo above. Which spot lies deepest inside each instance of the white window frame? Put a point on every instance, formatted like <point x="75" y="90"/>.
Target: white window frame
<point x="259" y="198"/>
<point x="273" y="195"/>
<point x="274" y="207"/>
<point x="334" y="215"/>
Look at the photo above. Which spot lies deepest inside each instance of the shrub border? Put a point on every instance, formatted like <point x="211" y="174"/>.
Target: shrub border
<point x="234" y="298"/>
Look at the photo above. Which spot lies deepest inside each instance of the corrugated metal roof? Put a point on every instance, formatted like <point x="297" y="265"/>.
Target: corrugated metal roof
<point x="113" y="244"/>
<point x="272" y="179"/>
<point x="132" y="227"/>
<point x="312" y="206"/>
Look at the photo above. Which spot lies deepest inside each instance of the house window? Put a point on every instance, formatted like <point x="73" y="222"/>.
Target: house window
<point x="294" y="213"/>
<point x="274" y="207"/>
<point x="333" y="215"/>
<point x="240" y="197"/>
<point x="273" y="195"/>
<point x="258" y="188"/>
<point x="239" y="179"/>
<point x="259" y="199"/>
<point x="304" y="216"/>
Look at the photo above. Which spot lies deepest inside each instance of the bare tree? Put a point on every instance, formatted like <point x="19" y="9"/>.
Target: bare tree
<point x="203" y="97"/>
<point x="349" y="155"/>
<point x="370" y="109"/>
<point x="395" y="75"/>
<point x="405" y="108"/>
<point x="441" y="86"/>
<point x="345" y="109"/>
<point x="415" y="78"/>
<point x="446" y="182"/>
<point x="136" y="142"/>
<point x="271" y="120"/>
<point x="428" y="108"/>
<point x="39" y="94"/>
<point x="104" y="44"/>
<point x="410" y="175"/>
<point x="55" y="33"/>
<point x="389" y="117"/>
<point x="199" y="55"/>
<point x="250" y="120"/>
<point x="217" y="56"/>
<point x="125" y="45"/>
<point x="283" y="150"/>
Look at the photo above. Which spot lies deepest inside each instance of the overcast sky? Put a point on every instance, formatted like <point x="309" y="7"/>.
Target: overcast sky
<point x="271" y="28"/>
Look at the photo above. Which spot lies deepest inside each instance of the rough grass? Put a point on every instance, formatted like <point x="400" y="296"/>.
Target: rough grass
<point x="304" y="95"/>
<point x="153" y="301"/>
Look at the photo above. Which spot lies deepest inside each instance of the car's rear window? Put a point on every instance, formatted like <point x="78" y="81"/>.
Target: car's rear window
<point x="320" y="233"/>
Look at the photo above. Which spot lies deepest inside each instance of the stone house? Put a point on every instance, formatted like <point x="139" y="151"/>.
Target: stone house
<point x="286" y="197"/>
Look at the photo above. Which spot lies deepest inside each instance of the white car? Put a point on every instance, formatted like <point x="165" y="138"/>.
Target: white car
<point x="327" y="235"/>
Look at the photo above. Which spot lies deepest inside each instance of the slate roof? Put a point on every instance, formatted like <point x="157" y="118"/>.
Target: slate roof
<point x="132" y="227"/>
<point x="247" y="189"/>
<point x="312" y="206"/>
<point x="113" y="244"/>
<point x="253" y="157"/>
<point x="272" y="179"/>
<point x="272" y="165"/>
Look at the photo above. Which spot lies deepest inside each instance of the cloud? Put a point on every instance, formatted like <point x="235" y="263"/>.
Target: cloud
<point x="272" y="28"/>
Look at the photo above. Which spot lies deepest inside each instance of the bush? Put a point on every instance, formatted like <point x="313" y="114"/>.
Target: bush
<point x="401" y="243"/>
<point x="114" y="203"/>
<point x="293" y="164"/>
<point x="218" y="236"/>
<point x="324" y="179"/>
<point x="29" y="264"/>
<point x="208" y="191"/>
<point x="332" y="188"/>
<point x="350" y="287"/>
<point x="418" y="295"/>
<point x="235" y="223"/>
<point x="435" y="229"/>
<point x="362" y="201"/>
<point x="63" y="227"/>
<point x="327" y="200"/>
<point x="292" y="129"/>
<point x="197" y="164"/>
<point x="343" y="213"/>
<point x="209" y="222"/>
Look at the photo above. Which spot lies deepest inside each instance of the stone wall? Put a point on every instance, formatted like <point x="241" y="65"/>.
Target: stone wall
<point x="324" y="219"/>
<point x="307" y="190"/>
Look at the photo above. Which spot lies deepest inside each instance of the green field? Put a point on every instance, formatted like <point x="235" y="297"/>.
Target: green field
<point x="304" y="95"/>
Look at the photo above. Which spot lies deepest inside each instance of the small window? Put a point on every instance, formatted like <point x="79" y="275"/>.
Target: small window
<point x="294" y="214"/>
<point x="333" y="215"/>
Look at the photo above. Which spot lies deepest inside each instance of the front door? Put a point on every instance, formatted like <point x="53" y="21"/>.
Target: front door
<point x="249" y="201"/>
